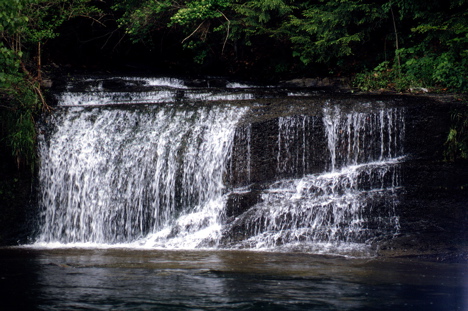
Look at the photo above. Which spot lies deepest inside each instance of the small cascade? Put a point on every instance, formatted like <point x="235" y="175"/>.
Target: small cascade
<point x="137" y="90"/>
<point x="293" y="157"/>
<point x="104" y="91"/>
<point x="240" y="167"/>
<point x="360" y="137"/>
<point x="325" y="212"/>
<point x="350" y="205"/>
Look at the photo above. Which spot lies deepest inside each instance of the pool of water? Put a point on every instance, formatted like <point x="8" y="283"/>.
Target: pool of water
<point x="128" y="279"/>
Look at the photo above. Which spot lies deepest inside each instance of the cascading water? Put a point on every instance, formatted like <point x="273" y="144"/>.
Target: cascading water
<point x="292" y="157"/>
<point x="116" y="175"/>
<point x="162" y="175"/>
<point x="346" y="207"/>
<point x="363" y="137"/>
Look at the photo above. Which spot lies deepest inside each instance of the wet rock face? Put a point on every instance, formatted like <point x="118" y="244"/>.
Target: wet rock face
<point x="343" y="84"/>
<point x="281" y="146"/>
<point x="433" y="209"/>
<point x="240" y="202"/>
<point x="427" y="126"/>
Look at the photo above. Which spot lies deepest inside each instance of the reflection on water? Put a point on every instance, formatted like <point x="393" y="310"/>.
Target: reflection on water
<point x="123" y="279"/>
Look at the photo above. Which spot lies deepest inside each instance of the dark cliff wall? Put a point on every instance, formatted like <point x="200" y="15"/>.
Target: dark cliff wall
<point x="434" y="208"/>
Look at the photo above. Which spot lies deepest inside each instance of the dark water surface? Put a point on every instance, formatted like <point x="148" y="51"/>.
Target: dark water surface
<point x="129" y="279"/>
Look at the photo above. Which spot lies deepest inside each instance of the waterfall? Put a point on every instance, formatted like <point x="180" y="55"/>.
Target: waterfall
<point x="193" y="173"/>
<point x="117" y="175"/>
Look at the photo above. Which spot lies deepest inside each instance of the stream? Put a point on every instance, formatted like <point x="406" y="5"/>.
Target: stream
<point x="129" y="279"/>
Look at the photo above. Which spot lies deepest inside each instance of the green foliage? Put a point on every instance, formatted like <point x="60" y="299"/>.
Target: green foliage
<point x="262" y="16"/>
<point x="191" y="21"/>
<point x="435" y="49"/>
<point x="19" y="103"/>
<point x="196" y="11"/>
<point x="204" y="26"/>
<point x="15" y="97"/>
<point x="141" y="18"/>
<point x="376" y="79"/>
<point x="22" y="138"/>
<point x="457" y="139"/>
<point x="419" y="43"/>
<point x="24" y="26"/>
<point x="438" y="56"/>
<point x="331" y="29"/>
<point x="46" y="16"/>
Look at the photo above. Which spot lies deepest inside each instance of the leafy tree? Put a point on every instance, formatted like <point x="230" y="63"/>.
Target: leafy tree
<point x="19" y="93"/>
<point x="431" y="48"/>
<point x="25" y="26"/>
<point x="231" y="31"/>
<point x="191" y="22"/>
<point x="438" y="54"/>
<point x="329" y="30"/>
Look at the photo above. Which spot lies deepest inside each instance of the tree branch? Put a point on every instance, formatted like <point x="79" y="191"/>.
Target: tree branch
<point x="227" y="31"/>
<point x="396" y="43"/>
<point x="193" y="32"/>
